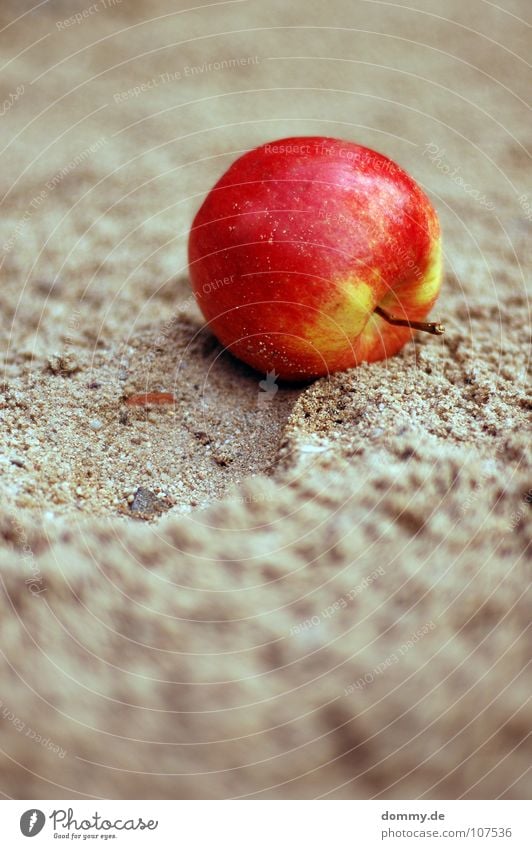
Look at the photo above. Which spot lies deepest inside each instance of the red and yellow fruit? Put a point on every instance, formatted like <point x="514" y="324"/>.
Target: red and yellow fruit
<point x="304" y="250"/>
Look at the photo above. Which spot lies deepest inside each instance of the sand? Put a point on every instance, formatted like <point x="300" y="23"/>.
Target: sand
<point x="257" y="590"/>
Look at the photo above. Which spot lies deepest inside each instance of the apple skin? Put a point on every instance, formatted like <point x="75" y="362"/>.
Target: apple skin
<point x="296" y="245"/>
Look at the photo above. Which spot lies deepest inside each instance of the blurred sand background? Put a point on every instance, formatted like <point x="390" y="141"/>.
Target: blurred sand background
<point x="321" y="593"/>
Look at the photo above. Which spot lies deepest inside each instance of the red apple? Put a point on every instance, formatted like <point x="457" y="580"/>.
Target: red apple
<point x="309" y="255"/>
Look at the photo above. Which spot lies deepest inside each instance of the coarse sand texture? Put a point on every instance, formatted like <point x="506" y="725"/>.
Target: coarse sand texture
<point x="215" y="584"/>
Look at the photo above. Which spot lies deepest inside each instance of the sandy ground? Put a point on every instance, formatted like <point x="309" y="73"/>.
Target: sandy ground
<point x="256" y="592"/>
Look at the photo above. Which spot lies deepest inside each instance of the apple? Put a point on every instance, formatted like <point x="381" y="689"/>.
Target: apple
<point x="312" y="254"/>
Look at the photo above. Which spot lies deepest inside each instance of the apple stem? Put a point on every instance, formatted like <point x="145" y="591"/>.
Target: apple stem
<point x="427" y="326"/>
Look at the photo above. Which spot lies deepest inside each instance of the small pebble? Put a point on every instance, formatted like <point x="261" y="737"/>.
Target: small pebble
<point x="146" y="503"/>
